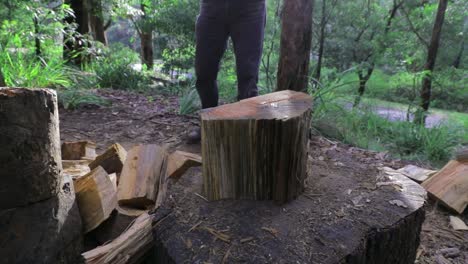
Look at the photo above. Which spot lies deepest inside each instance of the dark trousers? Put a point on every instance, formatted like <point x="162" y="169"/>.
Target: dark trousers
<point x="244" y="22"/>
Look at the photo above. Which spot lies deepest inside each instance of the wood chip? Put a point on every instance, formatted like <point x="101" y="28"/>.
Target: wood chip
<point x="457" y="223"/>
<point x="271" y="230"/>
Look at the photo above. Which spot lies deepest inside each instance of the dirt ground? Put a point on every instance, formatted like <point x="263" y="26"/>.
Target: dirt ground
<point x="138" y="119"/>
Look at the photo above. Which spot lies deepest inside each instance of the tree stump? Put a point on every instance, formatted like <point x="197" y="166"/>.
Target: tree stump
<point x="348" y="215"/>
<point x="256" y="148"/>
<point x="30" y="147"/>
<point x="39" y="218"/>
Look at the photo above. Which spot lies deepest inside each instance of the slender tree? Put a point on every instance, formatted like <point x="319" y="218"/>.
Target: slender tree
<point x="296" y="38"/>
<point x="430" y="62"/>
<point x="2" y="79"/>
<point x="75" y="43"/>
<point x="98" y="26"/>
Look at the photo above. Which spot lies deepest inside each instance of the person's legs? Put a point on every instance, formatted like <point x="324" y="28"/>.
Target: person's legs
<point x="211" y="40"/>
<point x="247" y="31"/>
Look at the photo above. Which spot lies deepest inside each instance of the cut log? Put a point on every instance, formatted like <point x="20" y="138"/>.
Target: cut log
<point x="112" y="160"/>
<point x="79" y="150"/>
<point x="96" y="196"/>
<point x="179" y="162"/>
<point x="75" y="168"/>
<point x="30" y="147"/>
<point x="140" y="177"/>
<point x="322" y="220"/>
<point x="450" y="186"/>
<point x="256" y="148"/>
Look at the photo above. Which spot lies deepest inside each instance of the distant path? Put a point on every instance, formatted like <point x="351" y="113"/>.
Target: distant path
<point x="396" y="114"/>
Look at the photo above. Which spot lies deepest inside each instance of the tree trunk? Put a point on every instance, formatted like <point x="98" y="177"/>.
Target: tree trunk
<point x="97" y="22"/>
<point x="458" y="59"/>
<point x="73" y="48"/>
<point x="38" y="212"/>
<point x="257" y="148"/>
<point x="296" y="38"/>
<point x="2" y="79"/>
<point x="318" y="69"/>
<point x="37" y="41"/>
<point x="362" y="84"/>
<point x="420" y="118"/>
<point x="147" y="49"/>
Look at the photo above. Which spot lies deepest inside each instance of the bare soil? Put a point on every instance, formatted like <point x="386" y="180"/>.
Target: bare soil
<point x="138" y="119"/>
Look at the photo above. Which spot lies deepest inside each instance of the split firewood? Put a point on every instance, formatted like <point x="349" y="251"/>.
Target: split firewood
<point x="75" y="168"/>
<point x="96" y="197"/>
<point x="113" y="227"/>
<point x="450" y="186"/>
<point x="78" y="150"/>
<point x="129" y="247"/>
<point x="140" y="177"/>
<point x="457" y="223"/>
<point x="179" y="162"/>
<point x="112" y="160"/>
<point x="135" y="242"/>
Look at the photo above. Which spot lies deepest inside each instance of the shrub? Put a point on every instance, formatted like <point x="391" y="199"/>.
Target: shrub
<point x="114" y="69"/>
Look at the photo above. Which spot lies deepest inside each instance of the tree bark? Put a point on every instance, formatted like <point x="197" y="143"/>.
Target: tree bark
<point x="97" y="22"/>
<point x="430" y="63"/>
<point x="296" y="38"/>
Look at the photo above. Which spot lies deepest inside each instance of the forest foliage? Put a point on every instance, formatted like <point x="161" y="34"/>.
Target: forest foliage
<point x="364" y="49"/>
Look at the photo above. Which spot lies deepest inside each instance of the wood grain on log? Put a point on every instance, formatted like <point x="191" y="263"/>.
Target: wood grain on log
<point x="111" y="160"/>
<point x="140" y="177"/>
<point x="30" y="146"/>
<point x="96" y="196"/>
<point x="256" y="148"/>
<point x="450" y="185"/>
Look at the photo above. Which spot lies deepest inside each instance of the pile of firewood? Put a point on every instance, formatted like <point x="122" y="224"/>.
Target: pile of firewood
<point x="116" y="187"/>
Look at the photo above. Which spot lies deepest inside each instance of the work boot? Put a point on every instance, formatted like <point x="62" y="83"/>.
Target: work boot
<point x="194" y="137"/>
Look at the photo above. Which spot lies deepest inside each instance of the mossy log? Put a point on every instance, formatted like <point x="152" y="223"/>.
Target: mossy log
<point x="256" y="148"/>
